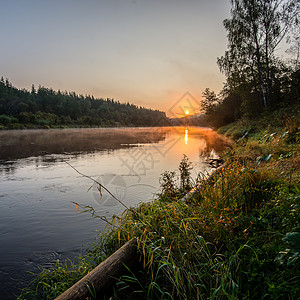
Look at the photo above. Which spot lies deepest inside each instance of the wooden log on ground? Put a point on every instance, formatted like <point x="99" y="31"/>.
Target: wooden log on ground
<point x="207" y="180"/>
<point x="104" y="275"/>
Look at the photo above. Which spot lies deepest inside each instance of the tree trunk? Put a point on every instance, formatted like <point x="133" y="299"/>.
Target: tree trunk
<point x="104" y="275"/>
<point x="263" y="92"/>
<point x="254" y="24"/>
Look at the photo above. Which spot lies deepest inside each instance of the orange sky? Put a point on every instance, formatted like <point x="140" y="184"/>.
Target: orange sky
<point x="150" y="53"/>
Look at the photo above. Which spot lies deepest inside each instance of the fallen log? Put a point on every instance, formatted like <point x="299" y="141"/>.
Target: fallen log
<point x="104" y="275"/>
<point x="207" y="180"/>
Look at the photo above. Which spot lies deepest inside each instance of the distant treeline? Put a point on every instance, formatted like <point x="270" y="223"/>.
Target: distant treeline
<point x="45" y="108"/>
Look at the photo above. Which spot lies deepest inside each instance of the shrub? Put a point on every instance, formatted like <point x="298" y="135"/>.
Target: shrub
<point x="5" y="120"/>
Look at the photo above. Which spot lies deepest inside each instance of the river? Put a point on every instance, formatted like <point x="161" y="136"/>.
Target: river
<point x="39" y="186"/>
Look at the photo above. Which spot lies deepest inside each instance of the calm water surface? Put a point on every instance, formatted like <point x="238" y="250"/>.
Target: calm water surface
<point x="39" y="222"/>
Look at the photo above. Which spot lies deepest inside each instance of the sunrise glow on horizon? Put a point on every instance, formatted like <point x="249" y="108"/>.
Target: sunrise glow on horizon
<point x="148" y="53"/>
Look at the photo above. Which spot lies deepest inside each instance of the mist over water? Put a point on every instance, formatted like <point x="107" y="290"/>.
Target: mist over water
<point x="39" y="221"/>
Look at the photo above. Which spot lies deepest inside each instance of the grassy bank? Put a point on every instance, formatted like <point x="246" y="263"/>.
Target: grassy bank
<point x="237" y="238"/>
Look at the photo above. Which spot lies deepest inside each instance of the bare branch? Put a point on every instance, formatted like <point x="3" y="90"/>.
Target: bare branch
<point x="102" y="186"/>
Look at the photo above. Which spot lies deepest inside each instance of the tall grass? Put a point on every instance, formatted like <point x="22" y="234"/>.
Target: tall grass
<point x="203" y="249"/>
<point x="232" y="240"/>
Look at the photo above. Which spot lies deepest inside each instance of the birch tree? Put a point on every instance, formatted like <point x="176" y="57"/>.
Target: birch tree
<point x="254" y="31"/>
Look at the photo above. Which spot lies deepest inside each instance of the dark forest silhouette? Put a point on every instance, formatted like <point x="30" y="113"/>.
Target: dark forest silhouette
<point x="45" y="108"/>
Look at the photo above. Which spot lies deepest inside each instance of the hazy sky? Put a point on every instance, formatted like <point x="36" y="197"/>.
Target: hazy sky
<point x="147" y="52"/>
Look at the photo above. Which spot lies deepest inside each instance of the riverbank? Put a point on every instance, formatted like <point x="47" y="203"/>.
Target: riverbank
<point x="236" y="238"/>
<point x="19" y="126"/>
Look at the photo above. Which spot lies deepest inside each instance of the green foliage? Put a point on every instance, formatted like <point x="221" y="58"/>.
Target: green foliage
<point x="185" y="168"/>
<point x="170" y="189"/>
<point x="237" y="238"/>
<point x="284" y="121"/>
<point x="291" y="256"/>
<point x="50" y="283"/>
<point x="209" y="100"/>
<point x="168" y="184"/>
<point x="256" y="79"/>
<point x="5" y="120"/>
<point x="222" y="244"/>
<point x="48" y="108"/>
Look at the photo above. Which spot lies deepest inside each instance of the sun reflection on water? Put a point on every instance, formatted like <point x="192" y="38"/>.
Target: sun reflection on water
<point x="186" y="136"/>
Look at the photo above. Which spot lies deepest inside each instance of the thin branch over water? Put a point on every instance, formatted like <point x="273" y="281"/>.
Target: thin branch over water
<point x="97" y="182"/>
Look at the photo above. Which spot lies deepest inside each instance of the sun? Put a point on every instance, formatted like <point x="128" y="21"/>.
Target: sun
<point x="187" y="112"/>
